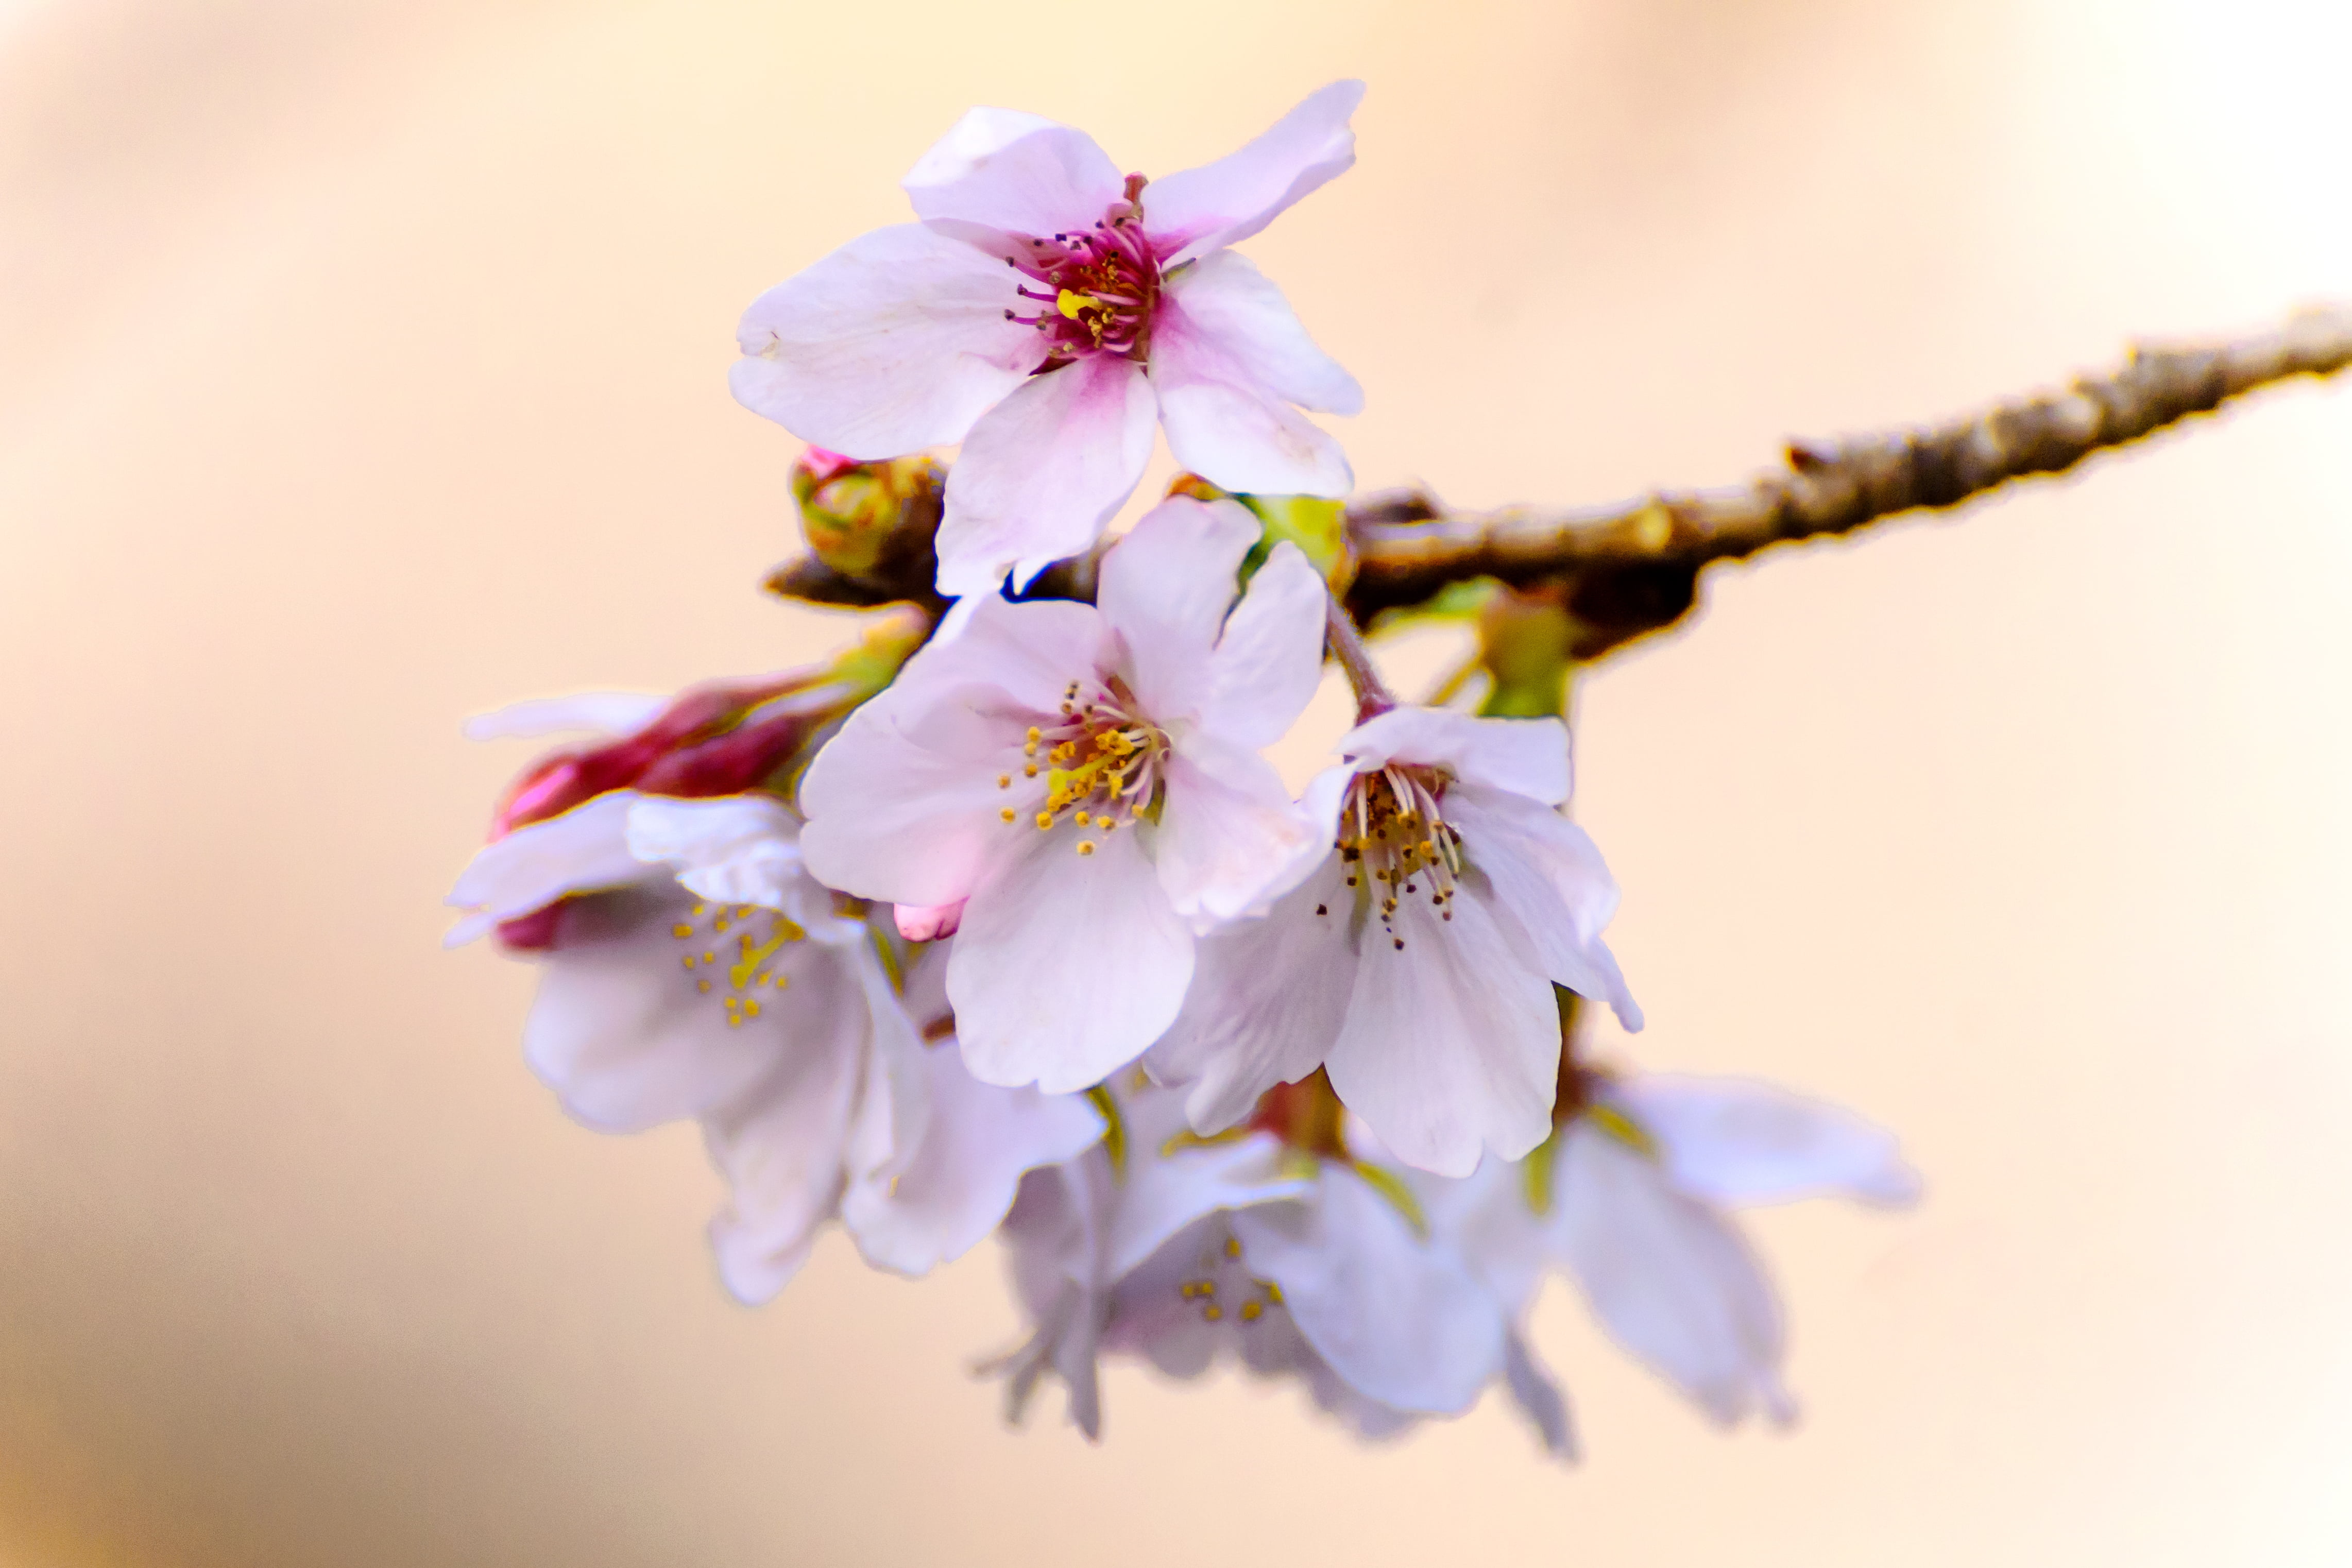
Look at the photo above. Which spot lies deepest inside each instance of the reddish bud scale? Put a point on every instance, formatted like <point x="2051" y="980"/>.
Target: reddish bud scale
<point x="1306" y="1115"/>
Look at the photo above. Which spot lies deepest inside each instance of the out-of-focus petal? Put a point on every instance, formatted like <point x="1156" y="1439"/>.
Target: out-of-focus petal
<point x="1227" y="202"/>
<point x="731" y="849"/>
<point x="1267" y="1002"/>
<point x="1736" y="1141"/>
<point x="1020" y="173"/>
<point x="1537" y="1393"/>
<point x="1669" y="1278"/>
<point x="1043" y="472"/>
<point x="896" y="341"/>
<point x="585" y="849"/>
<point x="1398" y="1318"/>
<point x="1067" y="965"/>
<point x="1234" y="320"/>
<point x="961" y="1177"/>
<point x="1269" y="662"/>
<point x="1165" y="588"/>
<point x="1451" y="1045"/>
<point x="1525" y="756"/>
<point x="599" y="712"/>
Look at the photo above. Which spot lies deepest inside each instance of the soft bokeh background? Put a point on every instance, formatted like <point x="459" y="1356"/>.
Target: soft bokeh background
<point x="362" y="367"/>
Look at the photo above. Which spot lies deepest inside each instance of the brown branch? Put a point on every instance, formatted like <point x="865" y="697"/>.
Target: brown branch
<point x="1633" y="568"/>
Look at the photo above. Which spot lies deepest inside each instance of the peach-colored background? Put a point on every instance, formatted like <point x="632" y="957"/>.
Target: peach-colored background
<point x="362" y="367"/>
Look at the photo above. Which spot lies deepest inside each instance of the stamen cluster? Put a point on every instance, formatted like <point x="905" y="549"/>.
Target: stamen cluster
<point x="1103" y="759"/>
<point x="1100" y="285"/>
<point x="749" y="961"/>
<point x="1393" y="837"/>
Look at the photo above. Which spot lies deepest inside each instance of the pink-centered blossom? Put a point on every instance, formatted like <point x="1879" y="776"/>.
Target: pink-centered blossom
<point x="1047" y="311"/>
<point x="1085" y="780"/>
<point x="1416" y="963"/>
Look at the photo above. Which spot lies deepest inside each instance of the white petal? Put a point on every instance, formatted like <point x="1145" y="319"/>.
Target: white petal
<point x="1165" y="588"/>
<point x="1043" y="472"/>
<point x="1227" y="202"/>
<point x="1269" y="662"/>
<point x="1267" y="1002"/>
<point x="1535" y="1391"/>
<point x="1227" y="426"/>
<point x="1067" y="965"/>
<point x="1165" y="1193"/>
<point x="1490" y="1219"/>
<point x="903" y="803"/>
<point x="1451" y="1044"/>
<point x="896" y="341"/>
<point x="1670" y="1279"/>
<point x="1230" y="314"/>
<point x="622" y="1032"/>
<point x="599" y="712"/>
<point x="1230" y="842"/>
<point x="1736" y="1141"/>
<point x="962" y="1178"/>
<point x="1549" y="879"/>
<point x="1525" y="756"/>
<point x="731" y="849"/>
<point x="1018" y="172"/>
<point x="1400" y="1319"/>
<point x="585" y="849"/>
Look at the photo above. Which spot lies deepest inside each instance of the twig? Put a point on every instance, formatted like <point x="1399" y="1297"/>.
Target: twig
<point x="1633" y="568"/>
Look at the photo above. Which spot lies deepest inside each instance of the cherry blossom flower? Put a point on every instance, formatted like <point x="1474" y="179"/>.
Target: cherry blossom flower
<point x="1629" y="1198"/>
<point x="1416" y="963"/>
<point x="1085" y="781"/>
<point x="1046" y="312"/>
<point x="692" y="969"/>
<point x="1296" y="1264"/>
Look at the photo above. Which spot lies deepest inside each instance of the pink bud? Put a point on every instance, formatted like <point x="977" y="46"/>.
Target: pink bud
<point x="929" y="923"/>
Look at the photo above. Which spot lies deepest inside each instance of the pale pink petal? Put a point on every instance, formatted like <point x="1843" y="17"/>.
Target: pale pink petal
<point x="896" y="341"/>
<point x="961" y="1177"/>
<point x="1227" y="202"/>
<point x="1227" y="427"/>
<point x="1526" y="756"/>
<point x="781" y="1146"/>
<point x="1451" y="1044"/>
<point x="1401" y="1320"/>
<point x="1538" y="1394"/>
<point x="1163" y="1190"/>
<point x="1226" y="309"/>
<point x="1043" y="472"/>
<point x="623" y="1033"/>
<point x="1669" y="1278"/>
<point x="927" y="923"/>
<point x="585" y="849"/>
<point x="1549" y="879"/>
<point x="1269" y="662"/>
<point x="1165" y="588"/>
<point x="1067" y="965"/>
<point x="1029" y="652"/>
<point x="1267" y="1002"/>
<point x="1230" y="841"/>
<point x="1017" y="173"/>
<point x="1738" y="1141"/>
<point x="904" y="803"/>
<point x="731" y="849"/>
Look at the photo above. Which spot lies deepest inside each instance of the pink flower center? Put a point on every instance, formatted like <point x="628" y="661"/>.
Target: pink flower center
<point x="1101" y="763"/>
<point x="1394" y="842"/>
<point x="1096" y="288"/>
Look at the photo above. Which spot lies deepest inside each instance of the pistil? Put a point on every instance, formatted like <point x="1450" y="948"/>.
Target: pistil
<point x="1097" y="287"/>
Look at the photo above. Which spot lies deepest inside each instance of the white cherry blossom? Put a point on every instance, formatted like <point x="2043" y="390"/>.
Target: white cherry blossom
<point x="1313" y="1266"/>
<point x="1047" y="311"/>
<point x="1630" y="1199"/>
<point x="696" y="971"/>
<point x="1416" y="963"/>
<point x="1085" y="781"/>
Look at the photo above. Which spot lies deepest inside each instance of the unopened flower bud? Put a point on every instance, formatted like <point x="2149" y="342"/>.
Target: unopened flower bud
<point x="870" y="523"/>
<point x="1525" y="644"/>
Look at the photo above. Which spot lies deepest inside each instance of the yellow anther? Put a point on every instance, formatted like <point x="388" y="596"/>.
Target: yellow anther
<point x="688" y="961"/>
<point x="721" y="925"/>
<point x="1273" y="1293"/>
<point x="681" y="930"/>
<point x="1044" y="820"/>
<point x="1213" y="1312"/>
<point x="1008" y="814"/>
<point x="1035" y="735"/>
<point x="781" y="981"/>
<point x="703" y="986"/>
<point x="754" y="958"/>
<point x="1252" y="1311"/>
<point x="1082" y="819"/>
<point x="751" y="1007"/>
<point x="1233" y="1247"/>
<point x="1084" y="847"/>
<point x="1030" y="771"/>
<point x="1004" y="781"/>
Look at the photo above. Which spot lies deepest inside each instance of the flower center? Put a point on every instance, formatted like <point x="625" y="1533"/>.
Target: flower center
<point x="1395" y="842"/>
<point x="1096" y="288"/>
<point x="728" y="952"/>
<point x="1101" y="763"/>
<point x="1221" y="1285"/>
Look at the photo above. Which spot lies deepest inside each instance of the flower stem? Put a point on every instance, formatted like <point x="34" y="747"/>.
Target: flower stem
<point x="1373" y="697"/>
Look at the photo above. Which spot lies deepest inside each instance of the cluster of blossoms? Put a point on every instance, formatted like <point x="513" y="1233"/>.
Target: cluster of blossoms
<point x="1001" y="921"/>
